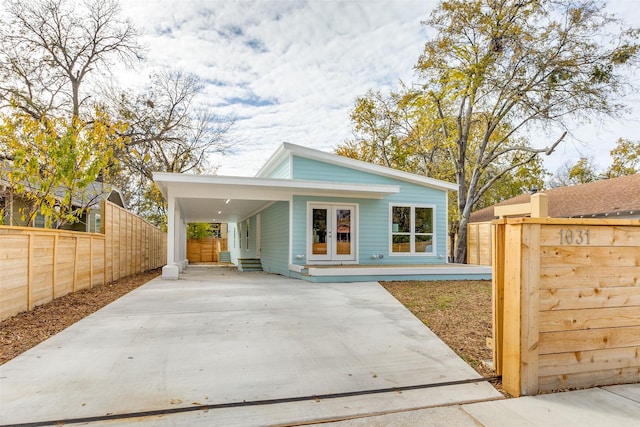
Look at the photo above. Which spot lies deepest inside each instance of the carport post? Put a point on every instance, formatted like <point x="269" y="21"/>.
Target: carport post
<point x="172" y="270"/>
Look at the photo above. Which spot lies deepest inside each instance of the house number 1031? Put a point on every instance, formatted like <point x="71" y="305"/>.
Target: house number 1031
<point x="571" y="236"/>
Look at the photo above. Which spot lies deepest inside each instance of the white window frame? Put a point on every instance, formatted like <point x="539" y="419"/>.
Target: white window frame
<point x="412" y="234"/>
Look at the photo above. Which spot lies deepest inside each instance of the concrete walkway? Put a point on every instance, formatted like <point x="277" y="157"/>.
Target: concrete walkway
<point x="225" y="340"/>
<point x="607" y="406"/>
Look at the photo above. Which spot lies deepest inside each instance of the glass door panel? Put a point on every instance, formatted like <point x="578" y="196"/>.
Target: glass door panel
<point x="319" y="232"/>
<point x="331" y="232"/>
<point x="342" y="231"/>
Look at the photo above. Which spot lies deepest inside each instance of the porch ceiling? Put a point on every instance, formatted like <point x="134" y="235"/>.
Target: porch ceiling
<point x="203" y="198"/>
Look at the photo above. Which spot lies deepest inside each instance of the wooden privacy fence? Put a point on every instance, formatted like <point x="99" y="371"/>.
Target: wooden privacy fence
<point x="566" y="303"/>
<point x="479" y="243"/>
<point x="206" y="249"/>
<point x="479" y="234"/>
<point x="132" y="244"/>
<point x="38" y="265"/>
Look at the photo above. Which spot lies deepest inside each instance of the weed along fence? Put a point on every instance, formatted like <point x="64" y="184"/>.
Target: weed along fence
<point x="566" y="303"/>
<point x="38" y="265"/>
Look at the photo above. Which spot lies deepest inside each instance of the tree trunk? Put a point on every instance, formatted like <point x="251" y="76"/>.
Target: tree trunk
<point x="461" y="242"/>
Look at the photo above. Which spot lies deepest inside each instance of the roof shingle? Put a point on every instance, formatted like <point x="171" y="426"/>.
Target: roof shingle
<point x="616" y="196"/>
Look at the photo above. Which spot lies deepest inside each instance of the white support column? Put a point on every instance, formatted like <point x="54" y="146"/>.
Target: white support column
<point x="171" y="270"/>
<point x="180" y="244"/>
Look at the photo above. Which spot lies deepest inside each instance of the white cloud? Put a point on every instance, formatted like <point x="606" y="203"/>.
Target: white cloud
<point x="291" y="70"/>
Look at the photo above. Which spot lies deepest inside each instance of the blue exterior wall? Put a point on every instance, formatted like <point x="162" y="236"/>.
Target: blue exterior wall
<point x="373" y="222"/>
<point x="282" y="171"/>
<point x="274" y="238"/>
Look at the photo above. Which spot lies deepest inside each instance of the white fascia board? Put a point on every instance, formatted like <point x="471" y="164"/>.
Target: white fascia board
<point x="336" y="159"/>
<point x="200" y="186"/>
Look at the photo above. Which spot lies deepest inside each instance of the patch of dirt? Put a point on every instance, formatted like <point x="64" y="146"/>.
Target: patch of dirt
<point x="27" y="329"/>
<point x="459" y="312"/>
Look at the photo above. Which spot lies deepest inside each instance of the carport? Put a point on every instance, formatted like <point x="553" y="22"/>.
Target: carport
<point x="227" y="199"/>
<point x="220" y="347"/>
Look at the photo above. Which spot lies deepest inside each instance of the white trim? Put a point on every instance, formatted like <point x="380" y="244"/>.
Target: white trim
<point x="446" y="226"/>
<point x="292" y="149"/>
<point x="413" y="253"/>
<point x="295" y="267"/>
<point x="290" y="259"/>
<point x="258" y="241"/>
<point x="264" y="188"/>
<point x="398" y="271"/>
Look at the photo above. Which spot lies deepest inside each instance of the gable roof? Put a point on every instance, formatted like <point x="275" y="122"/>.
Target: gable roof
<point x="287" y="150"/>
<point x="616" y="196"/>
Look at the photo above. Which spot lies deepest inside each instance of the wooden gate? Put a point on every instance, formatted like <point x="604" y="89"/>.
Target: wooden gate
<point x="566" y="303"/>
<point x="206" y="249"/>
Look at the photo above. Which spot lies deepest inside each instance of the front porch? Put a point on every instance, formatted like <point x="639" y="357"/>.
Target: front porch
<point x="389" y="272"/>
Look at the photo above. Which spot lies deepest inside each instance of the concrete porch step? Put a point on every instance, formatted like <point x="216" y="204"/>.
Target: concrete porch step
<point x="249" y="264"/>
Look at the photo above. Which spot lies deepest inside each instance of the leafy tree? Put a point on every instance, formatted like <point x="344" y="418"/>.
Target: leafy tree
<point x="584" y="170"/>
<point x="52" y="55"/>
<point x="54" y="162"/>
<point x="199" y="230"/>
<point x="396" y="130"/>
<point x="497" y="68"/>
<point x="50" y="48"/>
<point x="626" y="158"/>
<point x="167" y="132"/>
<point x="518" y="62"/>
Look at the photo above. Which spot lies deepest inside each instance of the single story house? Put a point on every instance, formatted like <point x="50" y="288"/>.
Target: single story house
<point x="609" y="198"/>
<point x="318" y="216"/>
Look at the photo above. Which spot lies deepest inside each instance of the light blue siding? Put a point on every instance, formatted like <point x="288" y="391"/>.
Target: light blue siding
<point x="274" y="238"/>
<point x="282" y="171"/>
<point x="374" y="221"/>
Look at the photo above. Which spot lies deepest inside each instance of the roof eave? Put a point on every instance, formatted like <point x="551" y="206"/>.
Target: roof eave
<point x="288" y="148"/>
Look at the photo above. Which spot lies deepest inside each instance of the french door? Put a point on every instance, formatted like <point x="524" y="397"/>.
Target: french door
<point x="331" y="232"/>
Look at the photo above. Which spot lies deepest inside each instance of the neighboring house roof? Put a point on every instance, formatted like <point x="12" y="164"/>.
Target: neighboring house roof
<point x="616" y="197"/>
<point x="89" y="197"/>
<point x="287" y="150"/>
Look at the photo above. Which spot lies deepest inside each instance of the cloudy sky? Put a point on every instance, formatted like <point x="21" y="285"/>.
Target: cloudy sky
<point x="291" y="70"/>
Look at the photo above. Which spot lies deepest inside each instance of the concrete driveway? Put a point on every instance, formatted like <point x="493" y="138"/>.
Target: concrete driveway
<point x="218" y="347"/>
